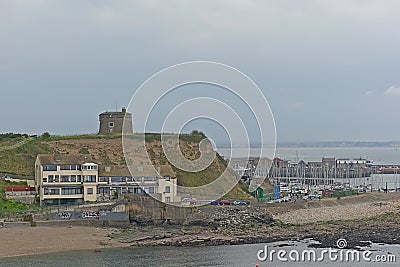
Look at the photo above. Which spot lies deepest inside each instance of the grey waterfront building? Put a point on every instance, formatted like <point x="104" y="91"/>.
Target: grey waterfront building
<point x="115" y="122"/>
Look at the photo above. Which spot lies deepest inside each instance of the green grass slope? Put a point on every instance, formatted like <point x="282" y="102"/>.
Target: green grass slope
<point x="107" y="149"/>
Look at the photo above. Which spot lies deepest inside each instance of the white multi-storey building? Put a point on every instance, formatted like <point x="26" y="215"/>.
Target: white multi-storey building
<point x="74" y="179"/>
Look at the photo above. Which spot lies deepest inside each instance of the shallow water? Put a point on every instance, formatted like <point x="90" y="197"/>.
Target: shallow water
<point x="233" y="256"/>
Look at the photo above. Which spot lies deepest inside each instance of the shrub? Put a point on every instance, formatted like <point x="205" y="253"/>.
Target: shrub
<point x="46" y="135"/>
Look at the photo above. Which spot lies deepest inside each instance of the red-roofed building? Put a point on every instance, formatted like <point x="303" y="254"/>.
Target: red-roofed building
<point x="21" y="193"/>
<point x="20" y="188"/>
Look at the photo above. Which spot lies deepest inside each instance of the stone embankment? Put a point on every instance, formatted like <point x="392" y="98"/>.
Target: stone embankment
<point x="372" y="217"/>
<point x="220" y="225"/>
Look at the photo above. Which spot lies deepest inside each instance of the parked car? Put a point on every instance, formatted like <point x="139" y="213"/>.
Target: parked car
<point x="239" y="203"/>
<point x="214" y="202"/>
<point x="225" y="202"/>
<point x="189" y="201"/>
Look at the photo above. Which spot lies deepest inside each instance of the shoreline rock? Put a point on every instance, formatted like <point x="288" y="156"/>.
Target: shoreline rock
<point x="235" y="230"/>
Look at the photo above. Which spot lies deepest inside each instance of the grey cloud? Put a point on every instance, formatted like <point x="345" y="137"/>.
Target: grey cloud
<point x="325" y="53"/>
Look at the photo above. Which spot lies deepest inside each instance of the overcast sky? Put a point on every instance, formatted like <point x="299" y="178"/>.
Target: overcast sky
<point x="329" y="69"/>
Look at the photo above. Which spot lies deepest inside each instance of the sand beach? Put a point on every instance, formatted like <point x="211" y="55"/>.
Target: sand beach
<point x="36" y="240"/>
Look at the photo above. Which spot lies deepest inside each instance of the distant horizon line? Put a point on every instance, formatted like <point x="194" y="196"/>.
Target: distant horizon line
<point x="393" y="143"/>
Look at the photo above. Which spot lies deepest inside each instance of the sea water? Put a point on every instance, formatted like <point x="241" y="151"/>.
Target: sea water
<point x="232" y="256"/>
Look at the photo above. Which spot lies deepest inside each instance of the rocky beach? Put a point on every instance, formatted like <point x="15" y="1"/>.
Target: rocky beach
<point x="371" y="217"/>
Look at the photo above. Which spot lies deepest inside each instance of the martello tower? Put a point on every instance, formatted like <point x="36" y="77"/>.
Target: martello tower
<point x="112" y="122"/>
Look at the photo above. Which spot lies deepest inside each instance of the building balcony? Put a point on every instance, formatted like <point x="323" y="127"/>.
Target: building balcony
<point x="78" y="196"/>
<point x="60" y="183"/>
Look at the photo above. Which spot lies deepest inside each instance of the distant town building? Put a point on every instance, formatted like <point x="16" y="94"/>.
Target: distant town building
<point x="329" y="162"/>
<point x="360" y="161"/>
<point x="115" y="122"/>
<point x="75" y="179"/>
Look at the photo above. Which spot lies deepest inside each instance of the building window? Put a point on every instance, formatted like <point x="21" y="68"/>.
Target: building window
<point x="73" y="178"/>
<point x="90" y="191"/>
<point x="110" y="124"/>
<point x="103" y="179"/>
<point x="71" y="191"/>
<point x="137" y="190"/>
<point x="117" y="179"/>
<point x="51" y="178"/>
<point x="51" y="191"/>
<point x="79" y="178"/>
<point x="167" y="189"/>
<point x="73" y="167"/>
<point x="65" y="167"/>
<point x="64" y="178"/>
<point x="89" y="167"/>
<point x="56" y="178"/>
<point x="44" y="180"/>
<point x="149" y="179"/>
<point x="89" y="178"/>
<point x="151" y="190"/>
<point x="49" y="167"/>
<point x="167" y="199"/>
<point x="103" y="190"/>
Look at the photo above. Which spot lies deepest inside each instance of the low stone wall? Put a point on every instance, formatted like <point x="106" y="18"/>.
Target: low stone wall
<point x="28" y="199"/>
<point x="88" y="223"/>
<point x="16" y="224"/>
<point x="149" y="211"/>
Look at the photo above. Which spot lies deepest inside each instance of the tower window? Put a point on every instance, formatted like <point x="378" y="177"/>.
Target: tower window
<point x="110" y="124"/>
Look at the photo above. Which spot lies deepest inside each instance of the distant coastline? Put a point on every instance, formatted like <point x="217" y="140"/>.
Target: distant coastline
<point x="324" y="144"/>
<point x="341" y="144"/>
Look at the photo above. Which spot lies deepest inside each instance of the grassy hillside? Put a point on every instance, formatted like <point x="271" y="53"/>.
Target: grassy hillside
<point x="107" y="150"/>
<point x="18" y="155"/>
<point x="9" y="206"/>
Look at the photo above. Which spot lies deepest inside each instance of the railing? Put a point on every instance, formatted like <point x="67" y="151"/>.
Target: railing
<point x="21" y="193"/>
